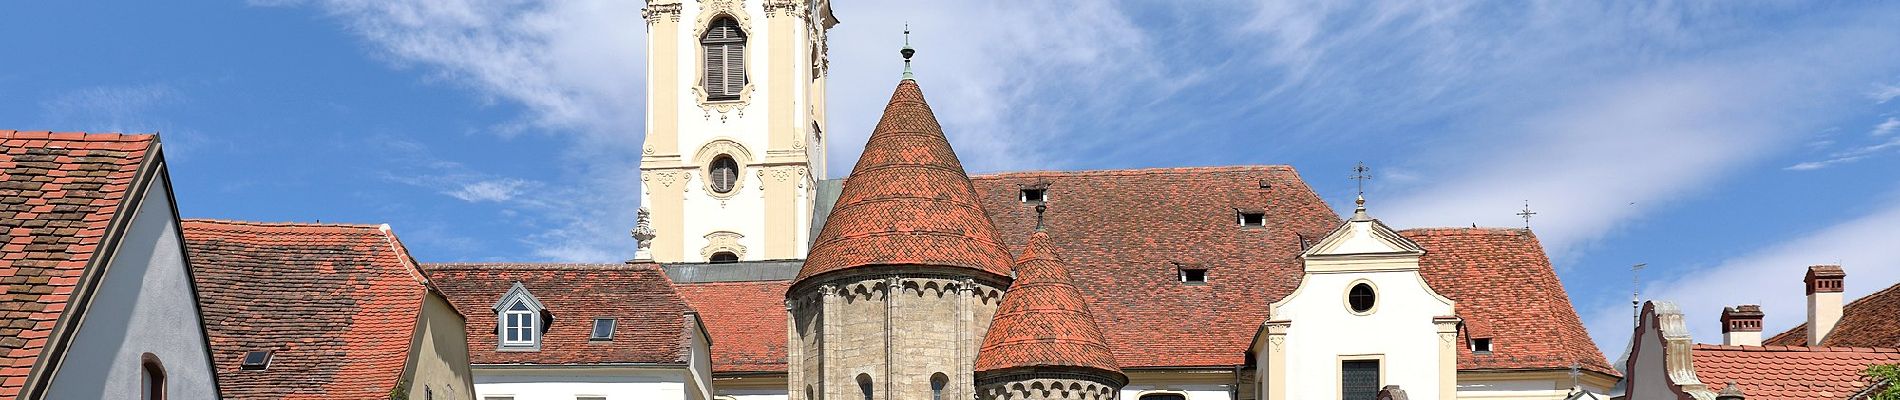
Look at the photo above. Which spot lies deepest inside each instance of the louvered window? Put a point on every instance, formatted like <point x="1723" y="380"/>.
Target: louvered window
<point x="1359" y="380"/>
<point x="724" y="174"/>
<point x="724" y="45"/>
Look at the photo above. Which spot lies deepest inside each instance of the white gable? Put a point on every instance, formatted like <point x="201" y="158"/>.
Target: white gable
<point x="1363" y="236"/>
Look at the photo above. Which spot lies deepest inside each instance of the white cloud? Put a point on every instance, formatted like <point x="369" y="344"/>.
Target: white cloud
<point x="1851" y="155"/>
<point x="1884" y="93"/>
<point x="1887" y="127"/>
<point x="1770" y="277"/>
<point x="498" y="190"/>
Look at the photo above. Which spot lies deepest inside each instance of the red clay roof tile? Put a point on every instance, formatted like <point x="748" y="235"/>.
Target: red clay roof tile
<point x="650" y="326"/>
<point x="1043" y="321"/>
<point x="907" y="202"/>
<point x="336" y="304"/>
<point x="746" y="321"/>
<point x="1789" y="372"/>
<point x="58" y="193"/>
<point x="1503" y="282"/>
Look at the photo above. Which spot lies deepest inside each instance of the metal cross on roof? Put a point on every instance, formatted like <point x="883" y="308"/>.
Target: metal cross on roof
<point x="1360" y="174"/>
<point x="1575" y="374"/>
<point x="1526" y="214"/>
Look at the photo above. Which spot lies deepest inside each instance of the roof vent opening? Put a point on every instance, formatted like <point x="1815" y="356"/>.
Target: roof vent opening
<point x="1193" y="276"/>
<point x="256" y="360"/>
<point x="724" y="257"/>
<point x="1481" y="345"/>
<point x="1252" y="219"/>
<point x="1035" y="195"/>
<point x="603" y="329"/>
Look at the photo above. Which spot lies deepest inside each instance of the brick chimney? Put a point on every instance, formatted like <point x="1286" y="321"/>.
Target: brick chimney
<point x="1741" y="325"/>
<point x="1824" y="300"/>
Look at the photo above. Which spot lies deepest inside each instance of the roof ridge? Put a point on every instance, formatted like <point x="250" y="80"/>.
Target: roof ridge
<point x="283" y="224"/>
<point x="1137" y="171"/>
<point x="1804" y="349"/>
<point x="78" y="136"/>
<point x="529" y="266"/>
<point x="1453" y="230"/>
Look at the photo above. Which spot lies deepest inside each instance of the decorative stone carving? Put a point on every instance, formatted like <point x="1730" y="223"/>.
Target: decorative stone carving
<point x="643" y="234"/>
<point x="782" y="8"/>
<point x="653" y="13"/>
<point x="783" y="173"/>
<point x="709" y="10"/>
<point x="663" y="177"/>
<point x="713" y="149"/>
<point x="723" y="241"/>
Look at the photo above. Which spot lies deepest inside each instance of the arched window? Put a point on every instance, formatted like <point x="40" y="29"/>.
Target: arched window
<point x="1163" y="396"/>
<point x="724" y="44"/>
<point x="151" y="377"/>
<point x="724" y="172"/>
<point x="864" y="385"/>
<point x="724" y="257"/>
<point x="937" y="382"/>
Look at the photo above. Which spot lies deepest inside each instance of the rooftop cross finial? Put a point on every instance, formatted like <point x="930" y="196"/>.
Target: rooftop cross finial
<point x="1526" y="214"/>
<point x="1576" y="374"/>
<point x="907" y="52"/>
<point x="1360" y="174"/>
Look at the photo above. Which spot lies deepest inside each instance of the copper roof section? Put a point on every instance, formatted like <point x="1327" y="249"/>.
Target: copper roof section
<point x="1043" y="320"/>
<point x="907" y="202"/>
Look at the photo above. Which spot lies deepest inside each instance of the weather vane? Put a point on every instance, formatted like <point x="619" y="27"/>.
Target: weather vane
<point x="907" y="52"/>
<point x="1360" y="174"/>
<point x="1636" y="289"/>
<point x="1526" y="214"/>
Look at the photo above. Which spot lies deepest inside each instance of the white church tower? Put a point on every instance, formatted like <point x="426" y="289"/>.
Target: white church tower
<point x="735" y="128"/>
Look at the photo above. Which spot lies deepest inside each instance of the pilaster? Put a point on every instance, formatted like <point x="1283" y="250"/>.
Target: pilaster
<point x="1447" y="356"/>
<point x="827" y="358"/>
<point x="794" y="355"/>
<point x="665" y="195"/>
<point x="1276" y="360"/>
<point x="781" y="184"/>
<point x="663" y="83"/>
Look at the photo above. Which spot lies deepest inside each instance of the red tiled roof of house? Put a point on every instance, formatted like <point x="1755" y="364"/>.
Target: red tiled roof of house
<point x="650" y="327"/>
<point x="1869" y="321"/>
<point x="746" y="321"/>
<point x="336" y="304"/>
<point x="1788" y="372"/>
<point x="1125" y="234"/>
<point x="907" y="202"/>
<point x="1503" y="282"/>
<point x="59" y="194"/>
<point x="1043" y="321"/>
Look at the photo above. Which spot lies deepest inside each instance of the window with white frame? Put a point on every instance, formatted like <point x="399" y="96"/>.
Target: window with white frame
<point x="518" y="326"/>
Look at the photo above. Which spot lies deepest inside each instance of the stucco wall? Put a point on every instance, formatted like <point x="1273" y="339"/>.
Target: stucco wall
<point x="144" y="304"/>
<point x="439" y="353"/>
<point x="1647" y="374"/>
<point x="1399" y="332"/>
<point x="566" y="383"/>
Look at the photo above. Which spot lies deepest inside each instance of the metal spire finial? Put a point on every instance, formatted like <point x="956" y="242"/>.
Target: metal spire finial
<point x="907" y="52"/>
<point x="1040" y="208"/>
<point x="1526" y="214"/>
<point x="1360" y="174"/>
<point x="1636" y="290"/>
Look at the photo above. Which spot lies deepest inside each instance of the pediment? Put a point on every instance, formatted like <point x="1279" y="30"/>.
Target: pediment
<point x="518" y="293"/>
<point x="1363" y="237"/>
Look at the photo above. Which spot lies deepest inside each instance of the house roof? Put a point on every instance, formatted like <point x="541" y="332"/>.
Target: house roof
<point x="1043" y="321"/>
<point x="336" y="304"/>
<point x="1503" y="283"/>
<point x="1789" y="372"/>
<point x="745" y="319"/>
<point x="1866" y="322"/>
<point x="60" y="193"/>
<point x="907" y="202"/>
<point x="651" y="326"/>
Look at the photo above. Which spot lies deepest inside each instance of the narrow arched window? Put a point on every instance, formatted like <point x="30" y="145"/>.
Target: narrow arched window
<point x="151" y="377"/>
<point x="864" y="385"/>
<point x="937" y="382"/>
<point x="724" y="173"/>
<point x="724" y="45"/>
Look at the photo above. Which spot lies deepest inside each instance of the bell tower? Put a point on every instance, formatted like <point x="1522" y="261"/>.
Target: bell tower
<point x="735" y="127"/>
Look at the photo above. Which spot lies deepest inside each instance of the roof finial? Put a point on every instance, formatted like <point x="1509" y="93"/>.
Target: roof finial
<point x="1360" y="174"/>
<point x="1039" y="209"/>
<point x="1526" y="213"/>
<point x="643" y="234"/>
<point x="907" y="52"/>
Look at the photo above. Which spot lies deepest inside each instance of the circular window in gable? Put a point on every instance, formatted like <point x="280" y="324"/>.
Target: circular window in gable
<point x="724" y="174"/>
<point x="1361" y="299"/>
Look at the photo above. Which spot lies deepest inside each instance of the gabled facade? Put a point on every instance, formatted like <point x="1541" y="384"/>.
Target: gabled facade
<point x="1664" y="363"/>
<point x="99" y="302"/>
<point x="1362" y="319"/>
<point x="578" y="331"/>
<point x="332" y="311"/>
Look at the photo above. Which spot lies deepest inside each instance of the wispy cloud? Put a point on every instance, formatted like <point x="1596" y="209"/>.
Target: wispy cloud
<point x="1884" y="93"/>
<point x="1881" y="144"/>
<point x="497" y="190"/>
<point x="1887" y="127"/>
<point x="1771" y="277"/>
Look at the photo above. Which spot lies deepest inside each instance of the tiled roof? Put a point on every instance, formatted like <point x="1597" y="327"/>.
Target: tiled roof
<point x="907" y="202"/>
<point x="1866" y="322"/>
<point x="651" y="325"/>
<point x="336" y="304"/>
<point x="746" y="321"/>
<point x="1043" y="321"/>
<point x="1123" y="233"/>
<point x="1787" y="372"/>
<point x="59" y="193"/>
<point x="1504" y="284"/>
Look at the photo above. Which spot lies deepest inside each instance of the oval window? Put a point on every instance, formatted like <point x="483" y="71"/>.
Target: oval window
<point x="723" y="174"/>
<point x="1361" y="298"/>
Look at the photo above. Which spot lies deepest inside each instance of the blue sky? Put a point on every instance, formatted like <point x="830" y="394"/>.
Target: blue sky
<point x="1727" y="145"/>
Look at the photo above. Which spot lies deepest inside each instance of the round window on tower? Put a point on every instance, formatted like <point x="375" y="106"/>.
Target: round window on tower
<point x="1361" y="299"/>
<point x="723" y="174"/>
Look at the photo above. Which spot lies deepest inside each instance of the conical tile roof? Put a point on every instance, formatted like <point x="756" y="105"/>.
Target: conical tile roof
<point x="907" y="202"/>
<point x="1043" y="320"/>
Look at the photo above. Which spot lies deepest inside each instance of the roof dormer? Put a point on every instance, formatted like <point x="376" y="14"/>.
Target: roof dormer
<point x="520" y="320"/>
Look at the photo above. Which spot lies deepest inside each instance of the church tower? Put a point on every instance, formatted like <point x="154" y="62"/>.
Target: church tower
<point x="904" y="279"/>
<point x="735" y="127"/>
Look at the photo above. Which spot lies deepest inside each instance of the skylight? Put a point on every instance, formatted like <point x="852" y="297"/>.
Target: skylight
<point x="1252" y="219"/>
<point x="256" y="360"/>
<point x="1037" y="195"/>
<point x="603" y="329"/>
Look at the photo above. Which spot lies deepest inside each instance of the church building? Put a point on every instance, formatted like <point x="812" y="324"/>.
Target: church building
<point x="912" y="280"/>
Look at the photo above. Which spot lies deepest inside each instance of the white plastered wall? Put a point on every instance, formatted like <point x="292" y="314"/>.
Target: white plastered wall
<point x="570" y="382"/>
<point x="1399" y="332"/>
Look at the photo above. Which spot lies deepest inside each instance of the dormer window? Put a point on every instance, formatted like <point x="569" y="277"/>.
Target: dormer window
<point x="519" y="320"/>
<point x="1035" y="195"/>
<point x="1193" y="276"/>
<point x="1481" y="345"/>
<point x="1251" y="219"/>
<point x="256" y="360"/>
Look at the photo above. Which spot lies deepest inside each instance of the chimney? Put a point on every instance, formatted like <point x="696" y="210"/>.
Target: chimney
<point x="1741" y="325"/>
<point x="1824" y="301"/>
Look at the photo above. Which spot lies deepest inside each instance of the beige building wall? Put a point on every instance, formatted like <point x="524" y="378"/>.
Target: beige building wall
<point x="438" y="354"/>
<point x="773" y="130"/>
<point x="894" y="332"/>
